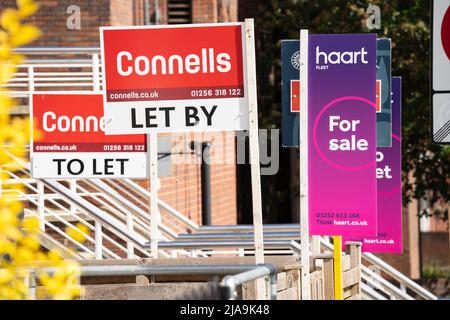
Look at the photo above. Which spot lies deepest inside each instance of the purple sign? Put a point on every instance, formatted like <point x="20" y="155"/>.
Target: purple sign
<point x="389" y="174"/>
<point x="342" y="135"/>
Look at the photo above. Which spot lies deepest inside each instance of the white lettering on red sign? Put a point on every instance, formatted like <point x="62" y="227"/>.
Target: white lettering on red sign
<point x="207" y="62"/>
<point x="51" y="122"/>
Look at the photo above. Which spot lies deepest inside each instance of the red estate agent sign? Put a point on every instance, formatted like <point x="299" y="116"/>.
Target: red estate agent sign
<point x="71" y="142"/>
<point x="174" y="78"/>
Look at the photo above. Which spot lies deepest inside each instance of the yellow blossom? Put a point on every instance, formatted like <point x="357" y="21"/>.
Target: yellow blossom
<point x="24" y="34"/>
<point x="6" y="275"/>
<point x="27" y="8"/>
<point x="78" y="233"/>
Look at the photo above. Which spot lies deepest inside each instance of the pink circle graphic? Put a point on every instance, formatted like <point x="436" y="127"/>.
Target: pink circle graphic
<point x="388" y="193"/>
<point x="316" y="122"/>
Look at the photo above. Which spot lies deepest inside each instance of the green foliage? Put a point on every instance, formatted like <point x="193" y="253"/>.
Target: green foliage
<point x="435" y="271"/>
<point x="407" y="23"/>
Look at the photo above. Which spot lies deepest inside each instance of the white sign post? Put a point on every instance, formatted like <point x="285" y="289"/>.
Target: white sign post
<point x="254" y="152"/>
<point x="154" y="186"/>
<point x="304" y="223"/>
<point x="440" y="74"/>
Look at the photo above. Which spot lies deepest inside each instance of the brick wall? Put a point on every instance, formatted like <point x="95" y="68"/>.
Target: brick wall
<point x="122" y="13"/>
<point x="52" y="20"/>
<point x="435" y="248"/>
<point x="214" y="11"/>
<point x="182" y="190"/>
<point x="204" y="11"/>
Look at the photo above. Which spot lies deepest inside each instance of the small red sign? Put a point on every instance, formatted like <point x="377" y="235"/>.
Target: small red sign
<point x="378" y="97"/>
<point x="69" y="141"/>
<point x="295" y="95"/>
<point x="75" y="123"/>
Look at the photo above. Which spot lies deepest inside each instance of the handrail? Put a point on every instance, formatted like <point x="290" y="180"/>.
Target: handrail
<point x="282" y="227"/>
<point x="238" y="236"/>
<point x="245" y="244"/>
<point x="371" y="292"/>
<point x="399" y="276"/>
<point x="24" y="168"/>
<point x="392" y="272"/>
<point x="386" y="284"/>
<point x="161" y="204"/>
<point x="231" y="282"/>
<point x="245" y="230"/>
<point x="64" y="222"/>
<point x="243" y="273"/>
<point x="56" y="50"/>
<point x="248" y="244"/>
<point x="100" y="185"/>
<point x="184" y="244"/>
<point x="72" y="197"/>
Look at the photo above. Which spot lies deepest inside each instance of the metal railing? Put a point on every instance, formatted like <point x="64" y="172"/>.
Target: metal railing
<point x="235" y="275"/>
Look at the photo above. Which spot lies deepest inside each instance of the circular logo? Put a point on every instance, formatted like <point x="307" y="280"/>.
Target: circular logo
<point x="445" y="33"/>
<point x="295" y="60"/>
<point x="333" y="104"/>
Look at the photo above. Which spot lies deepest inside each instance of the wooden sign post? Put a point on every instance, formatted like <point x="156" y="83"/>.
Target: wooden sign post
<point x="254" y="151"/>
<point x="303" y="149"/>
<point x="154" y="186"/>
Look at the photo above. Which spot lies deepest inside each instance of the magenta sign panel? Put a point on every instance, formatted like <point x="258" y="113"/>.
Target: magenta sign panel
<point x="342" y="135"/>
<point x="389" y="177"/>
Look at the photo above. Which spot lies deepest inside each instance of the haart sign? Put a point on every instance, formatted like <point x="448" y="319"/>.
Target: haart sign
<point x="174" y="78"/>
<point x="71" y="143"/>
<point x="389" y="177"/>
<point x="342" y="182"/>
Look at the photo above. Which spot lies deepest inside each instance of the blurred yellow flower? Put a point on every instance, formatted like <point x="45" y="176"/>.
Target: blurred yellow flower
<point x="24" y="34"/>
<point x="6" y="275"/>
<point x="78" y="233"/>
<point x="27" y="8"/>
<point x="9" y="20"/>
<point x="30" y="223"/>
